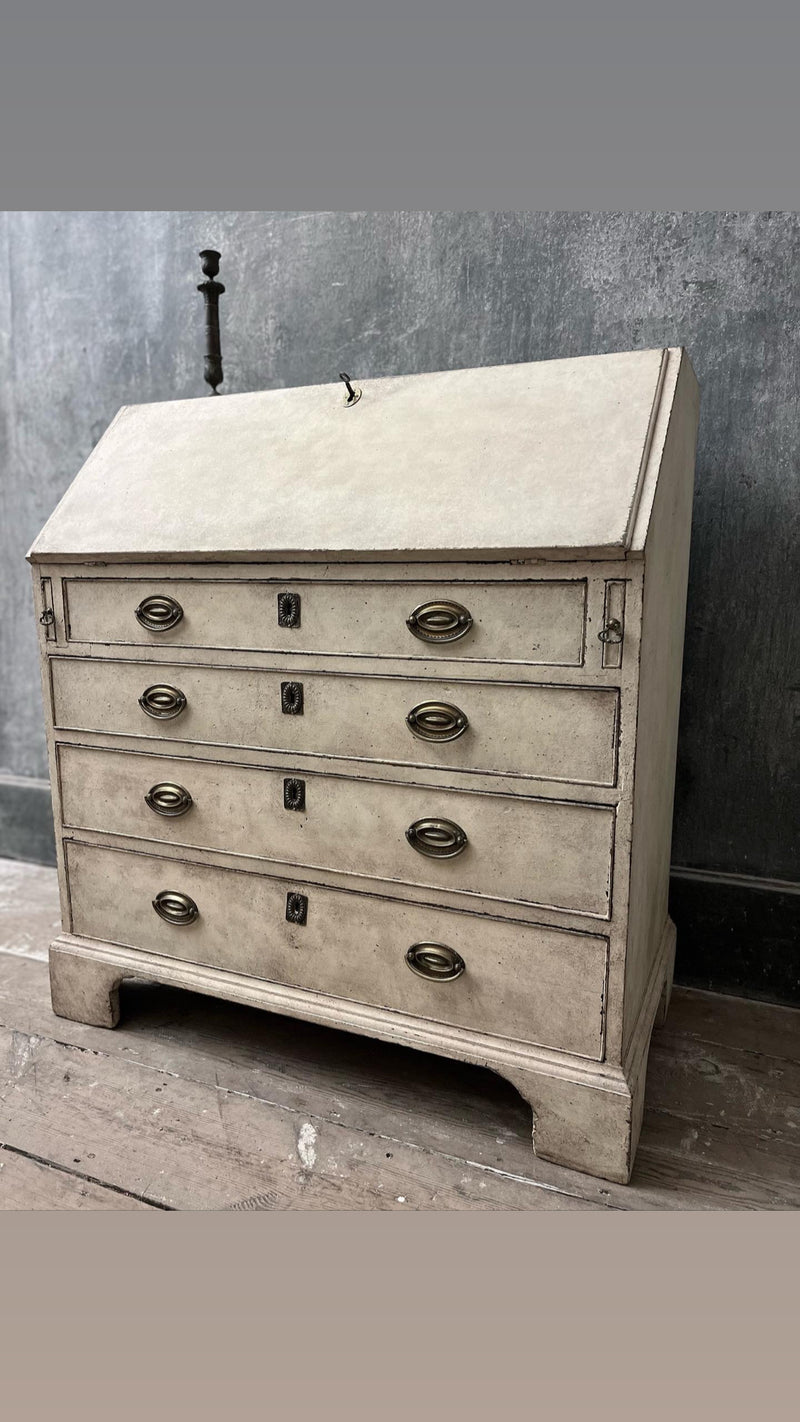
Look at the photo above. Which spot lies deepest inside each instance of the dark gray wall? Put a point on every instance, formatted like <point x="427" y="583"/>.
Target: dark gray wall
<point x="99" y="309"/>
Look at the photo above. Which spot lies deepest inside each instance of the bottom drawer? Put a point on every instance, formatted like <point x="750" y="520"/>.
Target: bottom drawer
<point x="534" y="984"/>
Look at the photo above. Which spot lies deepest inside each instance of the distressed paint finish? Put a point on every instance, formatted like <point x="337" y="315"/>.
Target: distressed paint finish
<point x="563" y="1011"/>
<point x="470" y="454"/>
<point x="540" y="622"/>
<point x="515" y="728"/>
<point x="528" y="983"/>
<point x="518" y="848"/>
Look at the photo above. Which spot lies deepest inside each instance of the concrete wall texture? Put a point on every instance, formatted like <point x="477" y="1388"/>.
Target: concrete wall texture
<point x="99" y="309"/>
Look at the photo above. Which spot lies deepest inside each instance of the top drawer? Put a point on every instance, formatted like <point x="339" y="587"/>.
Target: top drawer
<point x="537" y="622"/>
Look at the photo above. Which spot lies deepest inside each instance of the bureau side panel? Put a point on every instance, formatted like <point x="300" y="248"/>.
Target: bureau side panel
<point x="663" y="616"/>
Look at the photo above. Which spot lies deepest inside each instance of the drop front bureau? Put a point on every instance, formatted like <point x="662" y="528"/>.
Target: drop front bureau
<point x="365" y="712"/>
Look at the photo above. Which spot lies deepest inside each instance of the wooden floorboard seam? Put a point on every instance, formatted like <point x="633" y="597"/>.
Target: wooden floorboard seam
<point x="81" y="1175"/>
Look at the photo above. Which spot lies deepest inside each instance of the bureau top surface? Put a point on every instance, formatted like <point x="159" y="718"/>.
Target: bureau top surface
<point x="528" y="460"/>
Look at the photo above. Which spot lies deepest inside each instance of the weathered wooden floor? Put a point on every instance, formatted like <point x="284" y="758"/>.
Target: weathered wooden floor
<point x="193" y="1104"/>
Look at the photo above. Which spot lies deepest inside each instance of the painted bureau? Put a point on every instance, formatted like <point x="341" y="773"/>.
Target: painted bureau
<point x="364" y="710"/>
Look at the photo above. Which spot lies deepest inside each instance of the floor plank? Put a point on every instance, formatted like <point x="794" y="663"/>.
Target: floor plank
<point x="27" y="1184"/>
<point x="751" y="1093"/>
<point x="737" y="1023"/>
<point x="189" y="1145"/>
<point x="30" y="914"/>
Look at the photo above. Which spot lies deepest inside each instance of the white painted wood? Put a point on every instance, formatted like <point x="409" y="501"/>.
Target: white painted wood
<point x="531" y="851"/>
<point x="534" y="984"/>
<point x="514" y="459"/>
<point x="514" y="728"/>
<point x="540" y="622"/>
<point x="663" y="614"/>
<point x="565" y="933"/>
<point x="84" y="991"/>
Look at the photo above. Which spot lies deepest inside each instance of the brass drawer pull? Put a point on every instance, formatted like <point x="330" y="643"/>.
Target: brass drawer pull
<point x="158" y="613"/>
<point x="439" y="621"/>
<point x="435" y="961"/>
<point x="170" y="800"/>
<point x="436" y="721"/>
<point x="612" y="632"/>
<point x="439" y="839"/>
<point x="162" y="702"/>
<point x="175" y="908"/>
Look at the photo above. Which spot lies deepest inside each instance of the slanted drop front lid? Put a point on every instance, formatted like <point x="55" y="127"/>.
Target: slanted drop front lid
<point x="534" y="460"/>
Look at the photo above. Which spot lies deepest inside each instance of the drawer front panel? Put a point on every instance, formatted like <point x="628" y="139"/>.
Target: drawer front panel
<point x="544" y="732"/>
<point x="538" y="622"/>
<point x="543" y="852"/>
<point x="533" y="984"/>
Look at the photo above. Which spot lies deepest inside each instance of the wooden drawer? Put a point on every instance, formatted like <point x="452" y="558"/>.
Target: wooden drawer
<point x="534" y="984"/>
<point x="553" y="853"/>
<point x="540" y="622"/>
<point x="542" y="732"/>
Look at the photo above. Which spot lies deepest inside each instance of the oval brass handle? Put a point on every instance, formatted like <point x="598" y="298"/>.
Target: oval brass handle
<point x="439" y="621"/>
<point x="170" y="800"/>
<point x="436" y="721"/>
<point x="435" y="961"/>
<point x="175" y="908"/>
<point x="158" y="612"/>
<point x="439" y="839"/>
<point x="162" y="702"/>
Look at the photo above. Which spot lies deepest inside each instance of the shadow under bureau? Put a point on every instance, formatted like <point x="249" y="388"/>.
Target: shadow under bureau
<point x="368" y="715"/>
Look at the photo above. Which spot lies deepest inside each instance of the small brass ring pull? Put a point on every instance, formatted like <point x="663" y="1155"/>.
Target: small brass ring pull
<point x="435" y="961"/>
<point x="436" y="721"/>
<point x="612" y="632"/>
<point x="439" y="839"/>
<point x="175" y="908"/>
<point x="169" y="800"/>
<point x="162" y="702"/>
<point x="439" y="621"/>
<point x="158" y="613"/>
